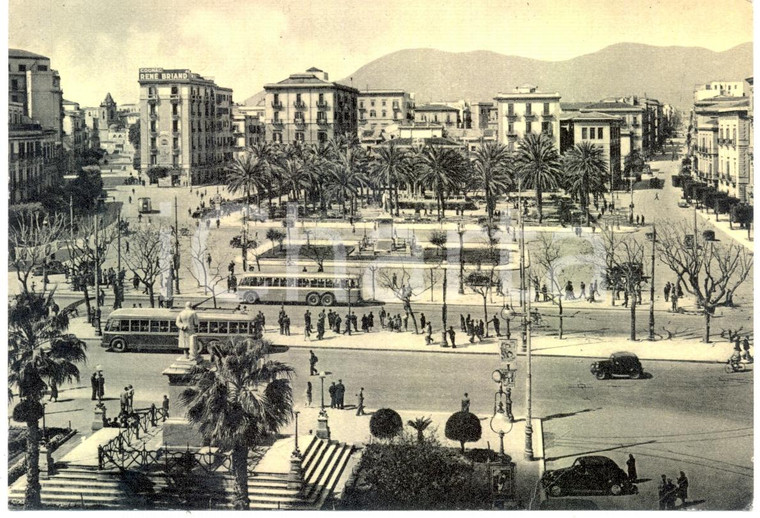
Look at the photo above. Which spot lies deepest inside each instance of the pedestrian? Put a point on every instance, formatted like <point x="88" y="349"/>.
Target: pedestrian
<point x="679" y="291"/>
<point x="165" y="406"/>
<point x="422" y="320"/>
<point x="656" y="195"/>
<point x="463" y="323"/>
<point x="406" y="322"/>
<point x="670" y="494"/>
<point x="360" y="402"/>
<point x="371" y="320"/>
<point x="495" y="322"/>
<point x="124" y="401"/>
<point x="631" y="463"/>
<point x="101" y="386"/>
<point x="583" y="291"/>
<point x="545" y="293"/>
<point x="642" y="220"/>
<point x="662" y="492"/>
<point x="287" y="325"/>
<point x="130" y="397"/>
<point x="340" y="394"/>
<point x="745" y="345"/>
<point x="130" y="200"/>
<point x="536" y="288"/>
<point x="466" y="403"/>
<point x="429" y="334"/>
<point x="666" y="291"/>
<point x="337" y="321"/>
<point x="637" y="220"/>
<point x="101" y="297"/>
<point x="333" y="397"/>
<point x="53" y="391"/>
<point x="313" y="362"/>
<point x="452" y="337"/>
<point x="161" y="297"/>
<point x="682" y="491"/>
<point x="674" y="301"/>
<point x="382" y="317"/>
<point x="308" y="393"/>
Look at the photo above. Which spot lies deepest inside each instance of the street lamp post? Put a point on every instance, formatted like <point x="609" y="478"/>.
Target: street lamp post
<point x="296" y="451"/>
<point x="176" y="248"/>
<point x="460" y="231"/>
<point x="96" y="320"/>
<point x="323" y="428"/>
<point x="651" y="285"/>
<point x="444" y="316"/>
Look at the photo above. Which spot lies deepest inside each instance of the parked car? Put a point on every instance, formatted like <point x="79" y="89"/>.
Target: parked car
<point x="52" y="268"/>
<point x="683" y="204"/>
<point x="620" y="364"/>
<point x="592" y="474"/>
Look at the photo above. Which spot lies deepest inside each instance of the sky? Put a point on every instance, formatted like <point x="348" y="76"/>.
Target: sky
<point x="99" y="45"/>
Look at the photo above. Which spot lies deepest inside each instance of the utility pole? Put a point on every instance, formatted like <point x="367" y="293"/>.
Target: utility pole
<point x="118" y="244"/>
<point x="96" y="320"/>
<point x="71" y="216"/>
<point x="651" y="285"/>
<point x="176" y="248"/>
<point x="528" y="387"/>
<point x="444" y="264"/>
<point x="460" y="231"/>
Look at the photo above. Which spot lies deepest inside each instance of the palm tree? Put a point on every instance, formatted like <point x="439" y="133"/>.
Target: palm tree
<point x="266" y="153"/>
<point x="238" y="401"/>
<point x="538" y="166"/>
<point x="316" y="165"/>
<point x="247" y="173"/>
<point x="391" y="166"/>
<point x="586" y="170"/>
<point x="347" y="175"/>
<point x="493" y="169"/>
<point x="442" y="169"/>
<point x="293" y="174"/>
<point x="40" y="353"/>
<point x="420" y="424"/>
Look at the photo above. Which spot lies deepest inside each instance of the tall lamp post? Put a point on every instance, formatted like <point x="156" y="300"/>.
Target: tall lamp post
<point x="444" y="316"/>
<point x="460" y="231"/>
<point x="651" y="285"/>
<point x="176" y="248"/>
<point x="323" y="428"/>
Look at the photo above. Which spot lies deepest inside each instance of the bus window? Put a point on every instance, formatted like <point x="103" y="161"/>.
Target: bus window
<point x="320" y="283"/>
<point x="163" y="326"/>
<point x="257" y="281"/>
<point x="213" y="327"/>
<point x="291" y="283"/>
<point x="302" y="283"/>
<point x="154" y="326"/>
<point x="233" y="328"/>
<point x="144" y="326"/>
<point x="313" y="283"/>
<point x="173" y="327"/>
<point x="114" y="325"/>
<point x="352" y="283"/>
<point x="243" y="328"/>
<point x="328" y="283"/>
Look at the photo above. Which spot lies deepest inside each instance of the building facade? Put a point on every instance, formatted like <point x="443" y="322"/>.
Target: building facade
<point x="599" y="129"/>
<point x="632" y="126"/>
<point x="37" y="87"/>
<point x="720" y="89"/>
<point x="385" y="107"/>
<point x="32" y="160"/>
<point x="309" y="109"/>
<point x="74" y="131"/>
<point x="247" y="127"/>
<point x="526" y="111"/>
<point x="185" y="124"/>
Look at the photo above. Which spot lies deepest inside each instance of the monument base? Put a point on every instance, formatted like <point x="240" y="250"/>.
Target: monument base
<point x="323" y="429"/>
<point x="178" y="432"/>
<point x="99" y="419"/>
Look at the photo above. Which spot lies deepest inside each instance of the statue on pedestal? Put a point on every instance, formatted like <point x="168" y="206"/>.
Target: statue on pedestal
<point x="187" y="322"/>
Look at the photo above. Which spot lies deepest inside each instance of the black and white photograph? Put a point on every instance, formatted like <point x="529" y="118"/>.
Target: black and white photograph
<point x="335" y="255"/>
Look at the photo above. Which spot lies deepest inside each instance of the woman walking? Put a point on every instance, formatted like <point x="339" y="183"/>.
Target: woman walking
<point x="308" y="393"/>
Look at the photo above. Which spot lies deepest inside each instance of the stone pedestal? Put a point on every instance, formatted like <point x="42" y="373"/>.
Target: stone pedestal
<point x="295" y="475"/>
<point x="99" y="419"/>
<point x="177" y="431"/>
<point x="323" y="429"/>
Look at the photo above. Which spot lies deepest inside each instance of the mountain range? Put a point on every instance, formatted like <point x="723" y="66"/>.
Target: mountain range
<point x="668" y="74"/>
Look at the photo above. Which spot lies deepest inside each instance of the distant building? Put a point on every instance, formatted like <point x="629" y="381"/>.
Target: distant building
<point x="526" y="111"/>
<point x="632" y="127"/>
<point x="74" y="131"/>
<point x="484" y="116"/>
<point x="32" y="160"/>
<point x="455" y="114"/>
<point x="309" y="109"/>
<point x="247" y="127"/>
<point x="599" y="129"/>
<point x="37" y="88"/>
<point x="185" y="124"/>
<point x="385" y="107"/>
<point x="129" y="114"/>
<point x="720" y="89"/>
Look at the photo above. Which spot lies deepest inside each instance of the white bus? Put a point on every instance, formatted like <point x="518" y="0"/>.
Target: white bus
<point x="309" y="288"/>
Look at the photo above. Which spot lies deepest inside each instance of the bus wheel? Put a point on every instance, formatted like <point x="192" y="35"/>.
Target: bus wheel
<point x="118" y="345"/>
<point x="312" y="299"/>
<point x="328" y="299"/>
<point x="251" y="297"/>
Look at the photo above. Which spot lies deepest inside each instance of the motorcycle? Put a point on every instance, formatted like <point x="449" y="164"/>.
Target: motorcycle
<point x="734" y="366"/>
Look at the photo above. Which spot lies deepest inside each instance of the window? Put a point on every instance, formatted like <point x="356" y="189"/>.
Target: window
<point x="243" y="328"/>
<point x="202" y="327"/>
<point x="276" y="117"/>
<point x="233" y="328"/>
<point x="600" y="133"/>
<point x="277" y="137"/>
<point x="299" y="116"/>
<point x="298" y="98"/>
<point x="143" y="325"/>
<point x="511" y="128"/>
<point x="14" y="84"/>
<point x="510" y="109"/>
<point x="153" y="142"/>
<point x="592" y="133"/>
<point x="322" y="137"/>
<point x="299" y="136"/>
<point x="546" y="127"/>
<point x="361" y="104"/>
<point x="385" y="114"/>
<point x="528" y="109"/>
<point x="635" y="121"/>
<point x="175" y="90"/>
<point x="42" y="68"/>
<point x="372" y="113"/>
<point x="175" y="143"/>
<point x="321" y="98"/>
<point x="175" y="125"/>
<point x="528" y="127"/>
<point x="152" y="125"/>
<point x="584" y="134"/>
<point x="383" y="102"/>
<point x="372" y="103"/>
<point x="276" y="99"/>
<point x="22" y="68"/>
<point x="546" y="108"/>
<point x="154" y="326"/>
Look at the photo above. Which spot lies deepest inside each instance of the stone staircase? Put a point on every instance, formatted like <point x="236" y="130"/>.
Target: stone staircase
<point x="84" y="486"/>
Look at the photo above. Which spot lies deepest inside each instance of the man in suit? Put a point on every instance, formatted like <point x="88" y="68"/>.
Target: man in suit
<point x="333" y="395"/>
<point x="94" y="383"/>
<point x="340" y="394"/>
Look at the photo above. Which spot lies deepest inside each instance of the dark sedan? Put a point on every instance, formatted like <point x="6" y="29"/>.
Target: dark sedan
<point x="593" y="474"/>
<point x="619" y="364"/>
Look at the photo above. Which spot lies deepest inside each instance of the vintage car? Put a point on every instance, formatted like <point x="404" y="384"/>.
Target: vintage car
<point x="620" y="364"/>
<point x="592" y="474"/>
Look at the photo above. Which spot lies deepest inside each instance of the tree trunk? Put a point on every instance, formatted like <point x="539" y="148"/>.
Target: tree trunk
<point x="395" y="189"/>
<point x="87" y="300"/>
<point x="240" y="474"/>
<point x="420" y="437"/>
<point x="632" y="297"/>
<point x="485" y="310"/>
<point x="707" y="325"/>
<point x="539" y="204"/>
<point x="410" y="313"/>
<point x="32" y="497"/>
<point x="150" y="294"/>
<point x="561" y="319"/>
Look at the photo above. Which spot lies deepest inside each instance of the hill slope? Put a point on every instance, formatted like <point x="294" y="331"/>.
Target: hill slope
<point x="665" y="73"/>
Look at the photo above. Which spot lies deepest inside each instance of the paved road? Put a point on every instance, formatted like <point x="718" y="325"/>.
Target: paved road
<point x="687" y="417"/>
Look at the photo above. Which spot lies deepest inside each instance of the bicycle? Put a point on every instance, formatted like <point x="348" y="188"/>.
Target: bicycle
<point x="732" y="366"/>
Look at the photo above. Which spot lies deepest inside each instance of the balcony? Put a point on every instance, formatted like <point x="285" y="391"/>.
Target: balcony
<point x="299" y="105"/>
<point x="635" y="124"/>
<point x="176" y="151"/>
<point x="153" y="151"/>
<point x="175" y="99"/>
<point x="547" y="116"/>
<point x="152" y="99"/>
<point x="153" y="116"/>
<point x="512" y="116"/>
<point x="322" y="122"/>
<point x="175" y="116"/>
<point x="276" y="122"/>
<point x="530" y="116"/>
<point x="322" y="105"/>
<point x="362" y="109"/>
<point x="277" y="105"/>
<point x="511" y="134"/>
<point x="299" y="122"/>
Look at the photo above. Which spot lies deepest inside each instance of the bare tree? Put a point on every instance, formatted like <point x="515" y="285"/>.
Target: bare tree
<point x="547" y="256"/>
<point x="33" y="237"/>
<point x="208" y="276"/>
<point x="401" y="286"/>
<point x="87" y="252"/>
<point x="318" y="254"/>
<point x="481" y="282"/>
<point x="145" y="258"/>
<point x="710" y="271"/>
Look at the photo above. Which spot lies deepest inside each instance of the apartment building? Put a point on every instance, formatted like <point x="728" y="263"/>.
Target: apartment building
<point x="599" y="129"/>
<point x="632" y="127"/>
<point x="309" y="109"/>
<point x="380" y="108"/>
<point x="37" y="87"/>
<point x="247" y="127"/>
<point x="524" y="111"/>
<point x="74" y="131"/>
<point x="720" y="89"/>
<point x="185" y="124"/>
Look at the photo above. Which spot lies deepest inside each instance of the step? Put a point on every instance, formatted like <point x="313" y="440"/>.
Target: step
<point x="315" y="450"/>
<point x="308" y="451"/>
<point x="264" y="485"/>
<point x="314" y="468"/>
<point x="317" y="485"/>
<point x="337" y="471"/>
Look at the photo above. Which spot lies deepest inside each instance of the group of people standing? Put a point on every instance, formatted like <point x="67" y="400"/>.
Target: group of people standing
<point x="673" y="292"/>
<point x="284" y="321"/>
<point x="669" y="492"/>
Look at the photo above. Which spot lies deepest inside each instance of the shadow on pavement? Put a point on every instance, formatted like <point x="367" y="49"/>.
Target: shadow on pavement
<point x="591" y="452"/>
<point x="570" y="414"/>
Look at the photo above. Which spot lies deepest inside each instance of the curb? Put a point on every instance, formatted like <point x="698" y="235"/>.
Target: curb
<point x="542" y="460"/>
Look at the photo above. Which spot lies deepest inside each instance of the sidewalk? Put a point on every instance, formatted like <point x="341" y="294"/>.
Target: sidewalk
<point x="573" y="345"/>
<point x="723" y="225"/>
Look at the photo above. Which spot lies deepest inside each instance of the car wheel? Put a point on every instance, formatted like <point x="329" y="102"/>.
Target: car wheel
<point x="636" y="374"/>
<point x="251" y="297"/>
<point x="601" y="375"/>
<point x="555" y="490"/>
<point x="119" y="345"/>
<point x="328" y="299"/>
<point x="616" y="489"/>
<point x="312" y="299"/>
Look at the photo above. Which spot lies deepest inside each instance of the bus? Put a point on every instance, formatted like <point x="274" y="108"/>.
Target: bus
<point x="309" y="288"/>
<point x="151" y="329"/>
